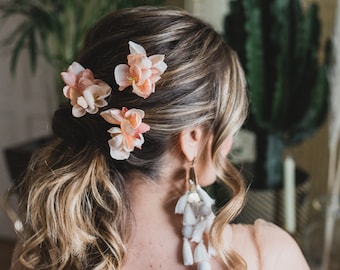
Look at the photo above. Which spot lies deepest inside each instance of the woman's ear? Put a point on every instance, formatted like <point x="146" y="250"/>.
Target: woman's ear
<point x="190" y="141"/>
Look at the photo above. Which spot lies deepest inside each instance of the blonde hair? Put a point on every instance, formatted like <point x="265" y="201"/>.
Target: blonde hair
<point x="73" y="196"/>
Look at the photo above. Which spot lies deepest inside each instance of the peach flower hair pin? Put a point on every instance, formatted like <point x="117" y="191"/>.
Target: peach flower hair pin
<point x="88" y="94"/>
<point x="141" y="72"/>
<point x="130" y="133"/>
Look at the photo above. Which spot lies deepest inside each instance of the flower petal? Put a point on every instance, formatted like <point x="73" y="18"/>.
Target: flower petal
<point x="128" y="143"/>
<point x="189" y="216"/>
<point x="112" y="116"/>
<point x="75" y="68"/>
<point x="116" y="150"/>
<point x="135" y="73"/>
<point x="198" y="231"/>
<point x="136" y="48"/>
<point x="78" y="111"/>
<point x="134" y="116"/>
<point x="69" y="78"/>
<point x="139" y="60"/>
<point x="105" y="89"/>
<point x="66" y="91"/>
<point x="144" y="75"/>
<point x="96" y="92"/>
<point x="73" y="95"/>
<point x="122" y="74"/>
<point x="201" y="253"/>
<point x="133" y="111"/>
<point x="210" y="220"/>
<point x="115" y="131"/>
<point x="187" y="253"/>
<point x="116" y="141"/>
<point x="144" y="90"/>
<point x="187" y="231"/>
<point x="142" y="128"/>
<point x="81" y="101"/>
<point x="138" y="142"/>
<point x="87" y="74"/>
<point x="92" y="110"/>
<point x="100" y="103"/>
<point x="181" y="203"/>
<point x="158" y="62"/>
<point x="204" y="265"/>
<point x="207" y="200"/>
<point x="84" y="83"/>
<point x="161" y="66"/>
<point x="89" y="98"/>
<point x="127" y="128"/>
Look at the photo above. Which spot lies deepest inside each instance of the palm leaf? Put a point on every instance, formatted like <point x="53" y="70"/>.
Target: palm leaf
<point x="32" y="49"/>
<point x="24" y="36"/>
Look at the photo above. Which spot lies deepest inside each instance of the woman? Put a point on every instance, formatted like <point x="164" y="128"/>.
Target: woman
<point x="156" y="98"/>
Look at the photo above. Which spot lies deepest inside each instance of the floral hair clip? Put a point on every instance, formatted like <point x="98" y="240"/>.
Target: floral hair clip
<point x="141" y="72"/>
<point x="88" y="94"/>
<point x="130" y="133"/>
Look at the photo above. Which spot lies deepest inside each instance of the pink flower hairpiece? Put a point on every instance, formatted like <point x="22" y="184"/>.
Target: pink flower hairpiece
<point x="141" y="72"/>
<point x="88" y="94"/>
<point x="130" y="133"/>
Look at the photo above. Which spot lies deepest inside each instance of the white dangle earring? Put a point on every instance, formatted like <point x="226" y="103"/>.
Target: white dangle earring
<point x="196" y="207"/>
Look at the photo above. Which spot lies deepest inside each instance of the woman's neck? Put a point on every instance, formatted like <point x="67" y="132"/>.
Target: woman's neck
<point x="153" y="202"/>
<point x="156" y="229"/>
<point x="155" y="199"/>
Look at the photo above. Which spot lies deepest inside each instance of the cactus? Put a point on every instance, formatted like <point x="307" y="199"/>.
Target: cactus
<point x="278" y="46"/>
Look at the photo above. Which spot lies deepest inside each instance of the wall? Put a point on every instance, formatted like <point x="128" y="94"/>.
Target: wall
<point x="312" y="155"/>
<point x="212" y="12"/>
<point x="25" y="110"/>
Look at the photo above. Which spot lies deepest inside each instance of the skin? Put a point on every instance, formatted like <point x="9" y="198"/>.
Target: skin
<point x="156" y="242"/>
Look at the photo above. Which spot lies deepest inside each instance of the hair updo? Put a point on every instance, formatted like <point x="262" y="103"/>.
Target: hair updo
<point x="203" y="85"/>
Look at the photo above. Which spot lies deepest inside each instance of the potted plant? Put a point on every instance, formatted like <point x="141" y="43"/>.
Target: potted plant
<point x="53" y="29"/>
<point x="278" y="46"/>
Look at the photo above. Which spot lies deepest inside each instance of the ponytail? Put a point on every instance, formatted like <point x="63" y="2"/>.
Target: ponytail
<point x="73" y="210"/>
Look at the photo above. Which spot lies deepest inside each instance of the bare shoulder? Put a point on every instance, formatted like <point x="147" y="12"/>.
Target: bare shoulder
<point x="266" y="246"/>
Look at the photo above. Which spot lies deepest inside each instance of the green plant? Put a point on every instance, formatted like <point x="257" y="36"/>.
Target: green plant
<point x="278" y="45"/>
<point x="55" y="29"/>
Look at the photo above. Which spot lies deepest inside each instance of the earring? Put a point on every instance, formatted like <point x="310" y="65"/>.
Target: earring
<point x="196" y="207"/>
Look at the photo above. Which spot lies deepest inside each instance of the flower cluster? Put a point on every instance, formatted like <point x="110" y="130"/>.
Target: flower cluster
<point x="141" y="72"/>
<point x="129" y="135"/>
<point x="88" y="94"/>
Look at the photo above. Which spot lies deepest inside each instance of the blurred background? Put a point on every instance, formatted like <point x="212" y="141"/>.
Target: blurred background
<point x="29" y="81"/>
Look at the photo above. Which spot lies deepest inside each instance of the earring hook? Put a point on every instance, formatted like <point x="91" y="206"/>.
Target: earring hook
<point x="193" y="195"/>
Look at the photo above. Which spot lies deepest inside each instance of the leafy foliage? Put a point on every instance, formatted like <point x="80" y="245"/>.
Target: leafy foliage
<point x="55" y="28"/>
